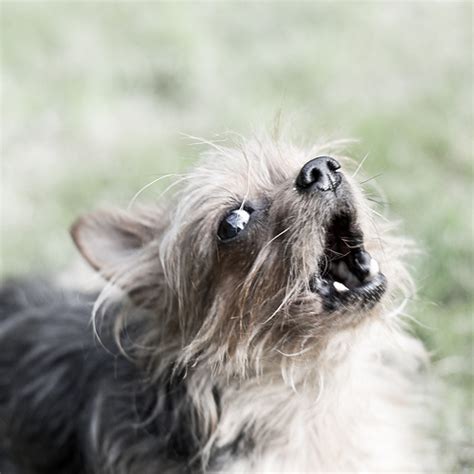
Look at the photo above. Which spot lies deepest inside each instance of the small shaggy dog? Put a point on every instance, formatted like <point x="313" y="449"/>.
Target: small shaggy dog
<point x="250" y="324"/>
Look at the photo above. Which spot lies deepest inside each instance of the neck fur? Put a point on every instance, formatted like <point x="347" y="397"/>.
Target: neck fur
<point x="358" y="407"/>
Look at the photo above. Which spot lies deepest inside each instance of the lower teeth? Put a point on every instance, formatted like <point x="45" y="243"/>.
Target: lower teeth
<point x="364" y="269"/>
<point x="374" y="268"/>
<point x="340" y="287"/>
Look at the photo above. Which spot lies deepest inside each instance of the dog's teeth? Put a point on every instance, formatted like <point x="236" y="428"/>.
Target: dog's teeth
<point x="340" y="287"/>
<point x="374" y="268"/>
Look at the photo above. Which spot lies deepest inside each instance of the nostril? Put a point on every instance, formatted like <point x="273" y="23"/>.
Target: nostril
<point x="333" y="165"/>
<point x="316" y="175"/>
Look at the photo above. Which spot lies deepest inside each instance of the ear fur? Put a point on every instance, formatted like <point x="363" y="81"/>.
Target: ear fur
<point x="107" y="239"/>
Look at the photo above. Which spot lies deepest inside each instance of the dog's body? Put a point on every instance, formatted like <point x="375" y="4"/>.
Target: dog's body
<point x="255" y="333"/>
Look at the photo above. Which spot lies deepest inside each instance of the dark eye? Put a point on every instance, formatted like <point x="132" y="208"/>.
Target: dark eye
<point x="233" y="223"/>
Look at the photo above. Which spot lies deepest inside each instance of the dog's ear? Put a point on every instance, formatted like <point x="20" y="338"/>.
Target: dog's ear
<point x="108" y="239"/>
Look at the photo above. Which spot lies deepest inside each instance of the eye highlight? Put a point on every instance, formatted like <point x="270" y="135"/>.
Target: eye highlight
<point x="233" y="223"/>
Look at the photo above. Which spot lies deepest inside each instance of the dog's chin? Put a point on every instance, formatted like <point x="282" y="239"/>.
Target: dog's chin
<point x="348" y="278"/>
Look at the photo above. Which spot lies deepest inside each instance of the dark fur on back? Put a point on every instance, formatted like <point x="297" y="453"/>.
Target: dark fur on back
<point x="66" y="398"/>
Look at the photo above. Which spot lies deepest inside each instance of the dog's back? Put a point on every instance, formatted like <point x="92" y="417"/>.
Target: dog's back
<point x="70" y="403"/>
<point x="47" y="362"/>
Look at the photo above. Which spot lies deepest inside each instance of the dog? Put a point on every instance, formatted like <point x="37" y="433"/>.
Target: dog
<point x="250" y="323"/>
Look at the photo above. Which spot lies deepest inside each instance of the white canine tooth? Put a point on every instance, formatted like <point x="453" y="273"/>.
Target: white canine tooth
<point x="340" y="287"/>
<point x="374" y="268"/>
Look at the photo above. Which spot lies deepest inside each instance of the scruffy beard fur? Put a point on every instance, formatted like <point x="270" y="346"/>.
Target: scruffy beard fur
<point x="223" y="340"/>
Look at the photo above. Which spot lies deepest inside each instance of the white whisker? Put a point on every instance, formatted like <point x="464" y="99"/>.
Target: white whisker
<point x="138" y="193"/>
<point x="360" y="165"/>
<point x="276" y="237"/>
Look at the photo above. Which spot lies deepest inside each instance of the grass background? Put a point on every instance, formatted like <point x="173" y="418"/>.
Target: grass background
<point x="95" y="97"/>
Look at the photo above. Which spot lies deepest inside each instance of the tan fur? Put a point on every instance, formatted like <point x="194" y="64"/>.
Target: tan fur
<point x="319" y="392"/>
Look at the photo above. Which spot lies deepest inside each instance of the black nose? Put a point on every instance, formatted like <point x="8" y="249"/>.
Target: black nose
<point x="319" y="173"/>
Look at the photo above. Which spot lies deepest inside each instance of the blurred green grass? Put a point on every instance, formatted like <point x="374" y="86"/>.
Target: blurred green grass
<point x="95" y="96"/>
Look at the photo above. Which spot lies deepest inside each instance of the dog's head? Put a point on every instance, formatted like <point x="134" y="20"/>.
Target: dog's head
<point x="266" y="249"/>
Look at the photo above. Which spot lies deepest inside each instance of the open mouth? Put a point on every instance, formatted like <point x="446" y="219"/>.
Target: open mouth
<point x="348" y="276"/>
